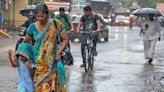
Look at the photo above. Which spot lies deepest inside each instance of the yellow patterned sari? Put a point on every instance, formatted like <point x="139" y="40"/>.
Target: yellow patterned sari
<point x="50" y="74"/>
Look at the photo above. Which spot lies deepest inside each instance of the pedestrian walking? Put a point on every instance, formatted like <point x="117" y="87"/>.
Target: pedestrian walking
<point x="131" y="19"/>
<point x="150" y="29"/>
<point x="113" y="18"/>
<point x="50" y="72"/>
<point x="23" y="60"/>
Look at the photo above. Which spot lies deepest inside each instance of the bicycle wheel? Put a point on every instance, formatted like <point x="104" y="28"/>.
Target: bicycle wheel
<point x="86" y="59"/>
<point x="89" y="59"/>
<point x="92" y="60"/>
<point x="87" y="54"/>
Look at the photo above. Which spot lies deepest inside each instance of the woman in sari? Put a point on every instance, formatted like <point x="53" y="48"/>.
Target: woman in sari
<point x="50" y="73"/>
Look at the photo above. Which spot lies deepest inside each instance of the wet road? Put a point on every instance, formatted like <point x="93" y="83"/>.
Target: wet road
<point x="119" y="66"/>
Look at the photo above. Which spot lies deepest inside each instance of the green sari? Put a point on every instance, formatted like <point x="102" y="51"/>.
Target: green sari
<point x="50" y="74"/>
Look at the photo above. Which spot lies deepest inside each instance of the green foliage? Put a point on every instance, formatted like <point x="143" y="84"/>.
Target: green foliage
<point x="161" y="0"/>
<point x="30" y="2"/>
<point x="154" y="2"/>
<point x="128" y="3"/>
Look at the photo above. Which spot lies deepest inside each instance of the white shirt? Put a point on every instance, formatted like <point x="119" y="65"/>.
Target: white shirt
<point x="152" y="31"/>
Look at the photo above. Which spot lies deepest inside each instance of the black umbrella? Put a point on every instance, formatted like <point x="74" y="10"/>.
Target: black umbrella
<point x="27" y="9"/>
<point x="146" y="11"/>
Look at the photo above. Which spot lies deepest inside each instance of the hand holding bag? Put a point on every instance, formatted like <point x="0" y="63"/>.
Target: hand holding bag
<point x="66" y="56"/>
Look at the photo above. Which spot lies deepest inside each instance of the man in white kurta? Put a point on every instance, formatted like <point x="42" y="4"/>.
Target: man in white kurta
<point x="151" y="33"/>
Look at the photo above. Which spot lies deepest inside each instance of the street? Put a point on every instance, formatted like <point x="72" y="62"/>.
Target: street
<point x="119" y="67"/>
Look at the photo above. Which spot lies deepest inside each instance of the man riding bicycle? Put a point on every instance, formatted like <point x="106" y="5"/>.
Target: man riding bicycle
<point x="90" y="22"/>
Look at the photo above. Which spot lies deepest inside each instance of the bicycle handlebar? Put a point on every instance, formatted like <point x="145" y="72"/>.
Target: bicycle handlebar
<point x="88" y="32"/>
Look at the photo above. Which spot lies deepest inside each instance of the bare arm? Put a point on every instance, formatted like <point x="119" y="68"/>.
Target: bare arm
<point x="65" y="41"/>
<point x="98" y="25"/>
<point x="72" y="26"/>
<point x="27" y="38"/>
<point x="13" y="59"/>
<point x="79" y="26"/>
<point x="29" y="32"/>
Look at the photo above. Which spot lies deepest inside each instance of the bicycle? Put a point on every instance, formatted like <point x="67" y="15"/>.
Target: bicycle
<point x="88" y="50"/>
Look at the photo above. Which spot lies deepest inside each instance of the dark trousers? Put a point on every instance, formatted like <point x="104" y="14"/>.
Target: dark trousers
<point x="83" y="43"/>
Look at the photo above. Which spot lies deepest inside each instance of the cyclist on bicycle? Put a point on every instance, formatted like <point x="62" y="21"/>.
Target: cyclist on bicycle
<point x="90" y="22"/>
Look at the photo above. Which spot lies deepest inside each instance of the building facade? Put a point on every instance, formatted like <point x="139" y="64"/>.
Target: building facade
<point x="11" y="11"/>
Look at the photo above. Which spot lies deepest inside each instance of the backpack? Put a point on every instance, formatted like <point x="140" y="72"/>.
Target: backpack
<point x="93" y="18"/>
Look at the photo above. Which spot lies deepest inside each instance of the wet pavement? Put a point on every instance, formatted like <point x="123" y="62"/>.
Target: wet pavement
<point x="8" y="75"/>
<point x="119" y="67"/>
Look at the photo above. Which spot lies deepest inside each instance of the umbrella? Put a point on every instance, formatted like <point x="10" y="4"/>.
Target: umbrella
<point x="27" y="9"/>
<point x="146" y="11"/>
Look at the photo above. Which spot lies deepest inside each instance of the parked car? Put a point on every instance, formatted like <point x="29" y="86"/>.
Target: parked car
<point x="103" y="35"/>
<point x="76" y="20"/>
<point x="121" y="20"/>
<point x="76" y="36"/>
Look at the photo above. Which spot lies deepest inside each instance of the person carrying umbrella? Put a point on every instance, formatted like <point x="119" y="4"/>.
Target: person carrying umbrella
<point x="31" y="19"/>
<point x="150" y="29"/>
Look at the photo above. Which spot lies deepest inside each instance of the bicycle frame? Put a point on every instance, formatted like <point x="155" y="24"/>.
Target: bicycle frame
<point x="89" y="51"/>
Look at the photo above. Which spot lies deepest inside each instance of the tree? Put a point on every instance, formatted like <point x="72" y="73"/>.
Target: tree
<point x="153" y="3"/>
